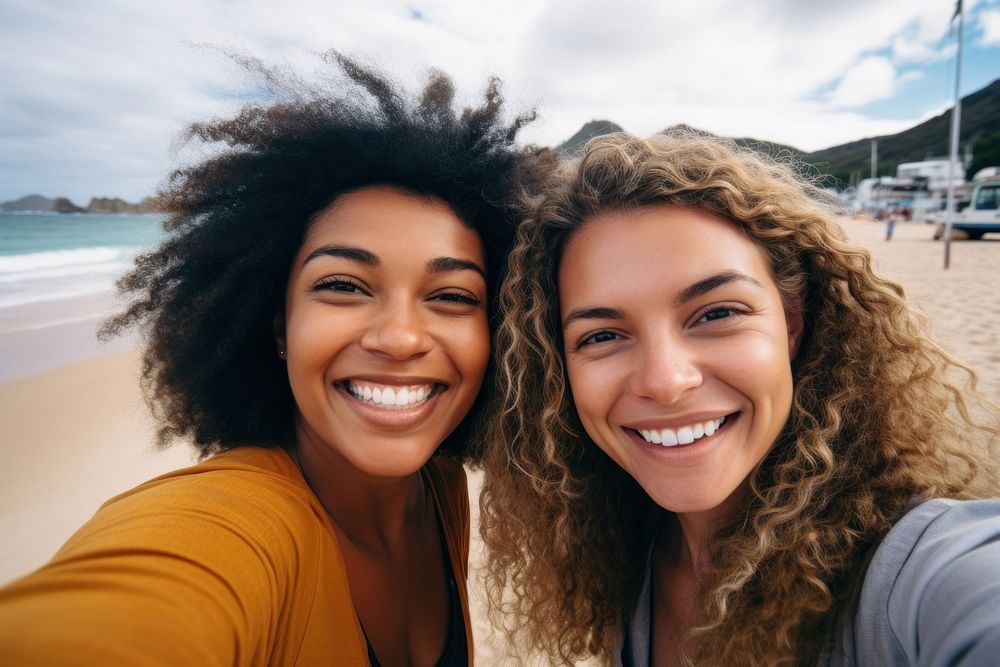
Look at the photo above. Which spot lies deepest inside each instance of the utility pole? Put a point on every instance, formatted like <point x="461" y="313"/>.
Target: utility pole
<point x="956" y="120"/>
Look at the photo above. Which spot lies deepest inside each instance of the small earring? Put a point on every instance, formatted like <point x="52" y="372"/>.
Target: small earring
<point x="282" y="353"/>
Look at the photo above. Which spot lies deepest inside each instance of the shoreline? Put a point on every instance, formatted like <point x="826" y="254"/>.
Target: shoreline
<point x="46" y="335"/>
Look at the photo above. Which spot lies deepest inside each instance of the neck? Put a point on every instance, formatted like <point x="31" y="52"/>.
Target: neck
<point x="374" y="513"/>
<point x="693" y="531"/>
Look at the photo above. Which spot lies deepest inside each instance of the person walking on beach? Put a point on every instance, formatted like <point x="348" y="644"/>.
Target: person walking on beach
<point x="720" y="438"/>
<point x="891" y="217"/>
<point x="318" y="326"/>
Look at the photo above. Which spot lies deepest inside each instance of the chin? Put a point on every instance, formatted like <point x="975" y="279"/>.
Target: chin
<point x="693" y="501"/>
<point x="393" y="465"/>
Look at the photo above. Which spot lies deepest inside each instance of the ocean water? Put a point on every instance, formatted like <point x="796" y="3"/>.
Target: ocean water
<point x="46" y="257"/>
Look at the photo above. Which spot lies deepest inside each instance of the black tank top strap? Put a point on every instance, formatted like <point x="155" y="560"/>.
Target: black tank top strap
<point x="455" y="653"/>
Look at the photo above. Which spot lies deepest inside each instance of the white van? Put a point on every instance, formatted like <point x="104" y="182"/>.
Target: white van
<point x="982" y="215"/>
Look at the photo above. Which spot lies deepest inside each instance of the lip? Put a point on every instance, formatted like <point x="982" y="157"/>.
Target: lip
<point x="678" y="422"/>
<point x="391" y="380"/>
<point x="397" y="419"/>
<point x="682" y="454"/>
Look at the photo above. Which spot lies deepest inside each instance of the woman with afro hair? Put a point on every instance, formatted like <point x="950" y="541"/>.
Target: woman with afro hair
<point x="317" y="324"/>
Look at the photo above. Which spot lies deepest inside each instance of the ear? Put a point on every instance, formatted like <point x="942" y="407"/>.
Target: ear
<point x="796" y="323"/>
<point x="278" y="329"/>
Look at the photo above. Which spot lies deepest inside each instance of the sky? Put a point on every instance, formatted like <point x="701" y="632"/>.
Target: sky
<point x="94" y="94"/>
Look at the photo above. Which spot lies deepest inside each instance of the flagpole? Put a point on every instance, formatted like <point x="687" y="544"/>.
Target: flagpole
<point x="874" y="165"/>
<point x="956" y="119"/>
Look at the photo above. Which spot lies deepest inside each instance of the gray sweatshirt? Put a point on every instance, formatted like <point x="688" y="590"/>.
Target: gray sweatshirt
<point x="930" y="596"/>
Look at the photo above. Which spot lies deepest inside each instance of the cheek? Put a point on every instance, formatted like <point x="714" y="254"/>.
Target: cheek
<point x="765" y="372"/>
<point x="470" y="345"/>
<point x="593" y="391"/>
<point x="309" y="333"/>
<point x="314" y="334"/>
<point x="594" y="398"/>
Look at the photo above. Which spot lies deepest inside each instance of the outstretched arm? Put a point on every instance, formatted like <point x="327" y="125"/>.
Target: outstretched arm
<point x="932" y="594"/>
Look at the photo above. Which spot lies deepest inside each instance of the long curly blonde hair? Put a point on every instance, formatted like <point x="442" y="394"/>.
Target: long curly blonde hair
<point x="878" y="418"/>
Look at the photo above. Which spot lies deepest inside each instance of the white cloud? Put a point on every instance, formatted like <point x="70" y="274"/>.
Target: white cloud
<point x="989" y="20"/>
<point x="911" y="75"/>
<point x="935" y="109"/>
<point x="870" y="80"/>
<point x="96" y="90"/>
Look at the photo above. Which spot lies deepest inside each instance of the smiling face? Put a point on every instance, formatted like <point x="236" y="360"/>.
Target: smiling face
<point x="678" y="350"/>
<point x="385" y="329"/>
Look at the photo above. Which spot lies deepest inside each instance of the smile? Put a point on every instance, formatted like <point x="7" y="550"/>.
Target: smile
<point x="684" y="435"/>
<point x="388" y="397"/>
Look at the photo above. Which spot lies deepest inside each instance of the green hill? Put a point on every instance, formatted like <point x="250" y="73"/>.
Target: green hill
<point x="772" y="148"/>
<point x="980" y="131"/>
<point x="980" y="134"/>
<point x="594" y="128"/>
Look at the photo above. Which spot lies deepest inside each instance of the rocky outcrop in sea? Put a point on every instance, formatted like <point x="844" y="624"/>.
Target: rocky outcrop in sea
<point x="40" y="204"/>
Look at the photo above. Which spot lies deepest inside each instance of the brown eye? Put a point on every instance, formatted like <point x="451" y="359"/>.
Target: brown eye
<point x="717" y="314"/>
<point x="458" y="297"/>
<point x="599" y="337"/>
<point x="340" y="285"/>
<point x="721" y="311"/>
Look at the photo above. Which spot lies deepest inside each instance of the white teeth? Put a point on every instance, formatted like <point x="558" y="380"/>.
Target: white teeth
<point x="389" y="397"/>
<point x="682" y="436"/>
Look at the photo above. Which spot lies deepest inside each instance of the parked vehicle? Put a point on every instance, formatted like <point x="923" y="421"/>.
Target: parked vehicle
<point x="982" y="215"/>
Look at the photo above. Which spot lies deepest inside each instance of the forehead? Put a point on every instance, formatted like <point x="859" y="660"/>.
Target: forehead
<point x="652" y="247"/>
<point x="386" y="219"/>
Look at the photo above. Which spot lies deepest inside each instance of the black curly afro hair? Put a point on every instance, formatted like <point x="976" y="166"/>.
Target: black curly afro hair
<point x="207" y="298"/>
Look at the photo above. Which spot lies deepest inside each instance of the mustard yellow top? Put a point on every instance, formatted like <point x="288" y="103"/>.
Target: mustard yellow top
<point x="229" y="562"/>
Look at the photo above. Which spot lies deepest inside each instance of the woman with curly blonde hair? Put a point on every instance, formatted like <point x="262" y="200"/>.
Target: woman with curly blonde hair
<point x="719" y="438"/>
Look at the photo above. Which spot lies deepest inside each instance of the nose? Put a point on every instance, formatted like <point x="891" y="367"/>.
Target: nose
<point x="397" y="332"/>
<point x="668" y="368"/>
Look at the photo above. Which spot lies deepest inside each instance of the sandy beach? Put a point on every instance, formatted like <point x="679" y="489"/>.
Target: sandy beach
<point x="74" y="429"/>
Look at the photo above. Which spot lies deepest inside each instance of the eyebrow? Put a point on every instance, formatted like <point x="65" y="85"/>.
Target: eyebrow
<point x="446" y="264"/>
<point x="347" y="252"/>
<point x="597" y="313"/>
<point x="362" y="256"/>
<point x="687" y="294"/>
<point x="713" y="282"/>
